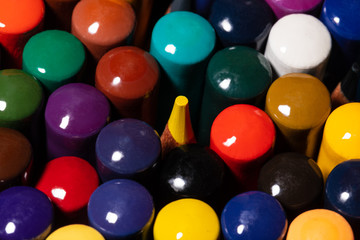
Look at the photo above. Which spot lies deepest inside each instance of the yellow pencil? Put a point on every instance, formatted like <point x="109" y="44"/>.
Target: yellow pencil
<point x="178" y="130"/>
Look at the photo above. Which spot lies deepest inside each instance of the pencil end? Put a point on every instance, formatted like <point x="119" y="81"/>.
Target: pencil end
<point x="179" y="123"/>
<point x="178" y="130"/>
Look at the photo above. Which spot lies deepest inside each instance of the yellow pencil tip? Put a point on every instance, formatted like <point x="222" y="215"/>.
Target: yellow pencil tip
<point x="181" y="101"/>
<point x="179" y="123"/>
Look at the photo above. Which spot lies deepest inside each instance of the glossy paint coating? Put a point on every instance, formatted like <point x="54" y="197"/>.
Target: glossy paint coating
<point x="14" y="31"/>
<point x="68" y="182"/>
<point x="16" y="157"/>
<point x="244" y="144"/>
<point x="234" y="75"/>
<point x="322" y="223"/>
<point x="21" y="97"/>
<point x="54" y="58"/>
<point x="343" y="22"/>
<point x="75" y="232"/>
<point x="299" y="105"/>
<point x="26" y="213"/>
<point x="202" y="7"/>
<point x="191" y="170"/>
<point x="74" y="115"/>
<point x="342" y="192"/>
<point x="58" y="14"/>
<point x="129" y="78"/>
<point x="253" y="215"/>
<point x="294" y="180"/>
<point x="127" y="148"/>
<point x="299" y="43"/>
<point x="13" y="14"/>
<point x="282" y="8"/>
<point x="341" y="137"/>
<point x="182" y="43"/>
<point x="187" y="219"/>
<point x="121" y="209"/>
<point x="168" y="31"/>
<point x="102" y="25"/>
<point x="242" y="22"/>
